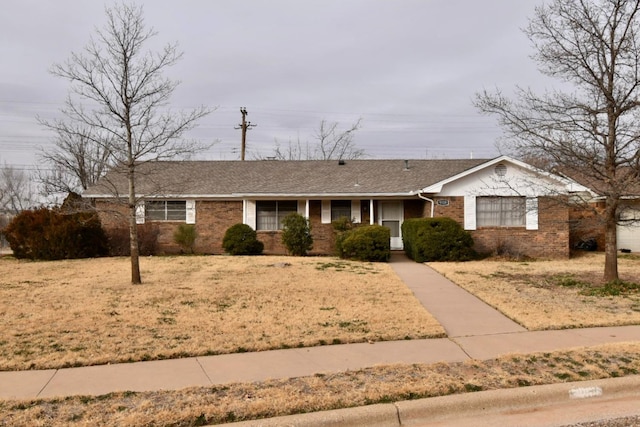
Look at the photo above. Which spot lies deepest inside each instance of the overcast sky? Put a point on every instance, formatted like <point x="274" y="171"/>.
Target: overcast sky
<point x="409" y="69"/>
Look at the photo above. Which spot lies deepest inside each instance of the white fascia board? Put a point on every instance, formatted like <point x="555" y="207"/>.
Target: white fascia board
<point x="437" y="187"/>
<point x="321" y="195"/>
<point x="261" y="196"/>
<point x="571" y="185"/>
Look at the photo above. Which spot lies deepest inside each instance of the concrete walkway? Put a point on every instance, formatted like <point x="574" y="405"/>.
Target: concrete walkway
<point x="475" y="331"/>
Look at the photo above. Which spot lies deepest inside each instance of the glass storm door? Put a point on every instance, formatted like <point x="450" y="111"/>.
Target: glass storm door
<point x="391" y="214"/>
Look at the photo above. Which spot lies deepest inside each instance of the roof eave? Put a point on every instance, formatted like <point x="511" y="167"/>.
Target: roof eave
<point x="260" y="195"/>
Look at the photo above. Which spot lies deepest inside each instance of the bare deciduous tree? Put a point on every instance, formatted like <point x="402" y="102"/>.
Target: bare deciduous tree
<point x="16" y="190"/>
<point x="76" y="161"/>
<point x="118" y="93"/>
<point x="331" y="143"/>
<point x="592" y="130"/>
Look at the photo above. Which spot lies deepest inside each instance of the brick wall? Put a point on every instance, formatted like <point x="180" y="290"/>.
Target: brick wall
<point x="551" y="240"/>
<point x="586" y="223"/>
<point x="213" y="218"/>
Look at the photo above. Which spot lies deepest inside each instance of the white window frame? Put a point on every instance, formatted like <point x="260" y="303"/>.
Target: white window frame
<point x="260" y="219"/>
<point x="501" y="211"/>
<point x="327" y="211"/>
<point x="164" y="211"/>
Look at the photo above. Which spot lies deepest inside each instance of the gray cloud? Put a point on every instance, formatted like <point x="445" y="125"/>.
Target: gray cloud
<point x="408" y="68"/>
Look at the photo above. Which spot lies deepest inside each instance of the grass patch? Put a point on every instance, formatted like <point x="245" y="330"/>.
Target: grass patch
<point x="381" y="384"/>
<point x="553" y="294"/>
<point x="196" y="305"/>
<point x="615" y="288"/>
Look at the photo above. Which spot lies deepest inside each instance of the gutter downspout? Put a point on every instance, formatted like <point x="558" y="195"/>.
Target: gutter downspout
<point x="428" y="200"/>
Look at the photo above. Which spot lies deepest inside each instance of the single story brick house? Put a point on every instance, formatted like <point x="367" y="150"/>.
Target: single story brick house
<point x="505" y="204"/>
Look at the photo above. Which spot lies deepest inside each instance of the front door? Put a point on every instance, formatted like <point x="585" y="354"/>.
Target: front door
<point x="391" y="215"/>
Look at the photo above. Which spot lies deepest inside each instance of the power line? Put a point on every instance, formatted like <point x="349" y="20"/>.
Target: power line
<point x="245" y="125"/>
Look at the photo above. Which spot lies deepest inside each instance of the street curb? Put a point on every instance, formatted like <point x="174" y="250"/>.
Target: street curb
<point x="379" y="415"/>
<point x="415" y="412"/>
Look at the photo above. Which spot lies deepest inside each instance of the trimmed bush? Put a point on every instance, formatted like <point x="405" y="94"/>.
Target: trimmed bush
<point x="241" y="239"/>
<point x="48" y="234"/>
<point x="436" y="239"/>
<point x="366" y="243"/>
<point x="185" y="236"/>
<point x="296" y="234"/>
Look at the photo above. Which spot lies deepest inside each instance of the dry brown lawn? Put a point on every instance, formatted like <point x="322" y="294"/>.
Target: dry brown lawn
<point x="235" y="402"/>
<point x="551" y="294"/>
<point x="85" y="312"/>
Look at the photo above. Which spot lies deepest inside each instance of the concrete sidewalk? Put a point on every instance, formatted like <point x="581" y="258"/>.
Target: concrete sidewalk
<point x="475" y="331"/>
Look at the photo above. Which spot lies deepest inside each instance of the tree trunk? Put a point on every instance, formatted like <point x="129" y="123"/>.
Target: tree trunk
<point x="135" y="251"/>
<point x="610" y="243"/>
<point x="133" y="231"/>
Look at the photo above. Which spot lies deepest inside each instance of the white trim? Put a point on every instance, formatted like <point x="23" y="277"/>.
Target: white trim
<point x="140" y="212"/>
<point x="261" y="196"/>
<point x="302" y="208"/>
<point x="396" y="242"/>
<point x="371" y="218"/>
<point x="325" y="215"/>
<point x="249" y="213"/>
<point x="469" y="212"/>
<point x="531" y="215"/>
<point x="356" y="214"/>
<point x="571" y="185"/>
<point x="190" y="213"/>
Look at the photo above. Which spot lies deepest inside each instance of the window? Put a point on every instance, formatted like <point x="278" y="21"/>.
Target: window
<point x="501" y="211"/>
<point x="165" y="210"/>
<point x="269" y="214"/>
<point x="340" y="208"/>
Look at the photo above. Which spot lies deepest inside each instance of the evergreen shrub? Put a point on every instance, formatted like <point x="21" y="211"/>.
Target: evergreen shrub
<point x="49" y="234"/>
<point x="436" y="239"/>
<point x="365" y="243"/>
<point x="296" y="234"/>
<point x="241" y="239"/>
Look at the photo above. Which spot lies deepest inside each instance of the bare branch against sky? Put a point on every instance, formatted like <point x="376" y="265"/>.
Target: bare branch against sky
<point x="408" y="68"/>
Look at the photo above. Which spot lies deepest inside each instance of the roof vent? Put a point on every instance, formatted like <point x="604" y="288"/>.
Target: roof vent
<point x="406" y="165"/>
<point x="500" y="170"/>
<point x="341" y="162"/>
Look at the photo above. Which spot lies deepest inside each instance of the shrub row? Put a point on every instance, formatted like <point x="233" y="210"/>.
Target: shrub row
<point x="51" y="234"/>
<point x="436" y="239"/>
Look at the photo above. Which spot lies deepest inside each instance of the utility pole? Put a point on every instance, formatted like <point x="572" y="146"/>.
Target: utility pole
<point x="244" y="126"/>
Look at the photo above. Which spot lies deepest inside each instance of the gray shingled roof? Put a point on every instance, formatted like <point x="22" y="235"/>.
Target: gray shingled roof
<point x="275" y="177"/>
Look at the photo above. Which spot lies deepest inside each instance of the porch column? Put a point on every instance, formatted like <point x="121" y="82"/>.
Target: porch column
<point x="371" y="221"/>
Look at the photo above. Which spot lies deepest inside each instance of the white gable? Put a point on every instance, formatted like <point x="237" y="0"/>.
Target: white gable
<point x="502" y="177"/>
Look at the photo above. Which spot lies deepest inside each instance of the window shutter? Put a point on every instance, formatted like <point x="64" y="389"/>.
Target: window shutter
<point x="531" y="214"/>
<point x="326" y="212"/>
<point x="469" y="212"/>
<point x="302" y="207"/>
<point x="355" y="211"/>
<point x="250" y="213"/>
<point x="191" y="211"/>
<point x="140" y="213"/>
